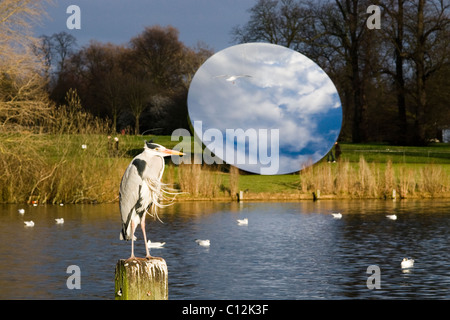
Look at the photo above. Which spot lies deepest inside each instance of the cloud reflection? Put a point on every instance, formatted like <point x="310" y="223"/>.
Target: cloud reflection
<point x="266" y="86"/>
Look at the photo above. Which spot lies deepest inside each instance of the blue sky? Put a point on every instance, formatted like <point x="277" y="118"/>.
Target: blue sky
<point x="286" y="91"/>
<point x="117" y="21"/>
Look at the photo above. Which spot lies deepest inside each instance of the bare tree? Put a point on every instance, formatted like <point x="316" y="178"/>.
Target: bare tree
<point x="345" y="21"/>
<point x="394" y="37"/>
<point x="262" y="26"/>
<point x="192" y="60"/>
<point x="63" y="45"/>
<point x="159" y="53"/>
<point x="428" y="26"/>
<point x="283" y="22"/>
<point x="23" y="100"/>
<point x="137" y="95"/>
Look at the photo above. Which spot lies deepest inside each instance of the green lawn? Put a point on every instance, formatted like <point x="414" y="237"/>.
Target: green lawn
<point x="57" y="168"/>
<point x="402" y="157"/>
<point x="435" y="153"/>
<point x="276" y="184"/>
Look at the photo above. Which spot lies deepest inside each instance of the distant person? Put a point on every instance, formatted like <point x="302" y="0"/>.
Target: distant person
<point x="330" y="157"/>
<point x="116" y="146"/>
<point x="337" y="150"/>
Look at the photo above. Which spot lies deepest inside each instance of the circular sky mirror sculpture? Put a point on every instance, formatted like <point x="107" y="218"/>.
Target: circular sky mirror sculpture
<point x="264" y="108"/>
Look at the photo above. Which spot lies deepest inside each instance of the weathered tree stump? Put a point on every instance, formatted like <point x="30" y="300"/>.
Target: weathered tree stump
<point x="141" y="279"/>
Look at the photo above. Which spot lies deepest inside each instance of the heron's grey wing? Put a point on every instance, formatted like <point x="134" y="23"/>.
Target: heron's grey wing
<point x="154" y="168"/>
<point x="151" y="176"/>
<point x="129" y="195"/>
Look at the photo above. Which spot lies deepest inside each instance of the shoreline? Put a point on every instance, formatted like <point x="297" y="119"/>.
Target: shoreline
<point x="81" y="168"/>
<point x="267" y="197"/>
<point x="306" y="197"/>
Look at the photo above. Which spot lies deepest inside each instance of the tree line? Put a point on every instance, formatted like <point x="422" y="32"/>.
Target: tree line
<point x="141" y="86"/>
<point x="392" y="81"/>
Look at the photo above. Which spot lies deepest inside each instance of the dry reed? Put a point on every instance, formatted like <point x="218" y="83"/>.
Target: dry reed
<point x="199" y="180"/>
<point x="371" y="180"/>
<point x="53" y="167"/>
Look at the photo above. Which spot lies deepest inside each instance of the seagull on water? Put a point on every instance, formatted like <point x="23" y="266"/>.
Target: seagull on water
<point x="155" y="244"/>
<point x="29" y="223"/>
<point x="337" y="215"/>
<point x="203" y="243"/>
<point x="59" y="220"/>
<point x="391" y="216"/>
<point x="242" y="222"/>
<point x="21" y="211"/>
<point x="407" y="263"/>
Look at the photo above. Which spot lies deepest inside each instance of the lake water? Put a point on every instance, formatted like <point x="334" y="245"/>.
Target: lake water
<point x="289" y="250"/>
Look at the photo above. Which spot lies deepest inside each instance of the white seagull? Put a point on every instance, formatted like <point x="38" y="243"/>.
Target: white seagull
<point x="407" y="263"/>
<point x="155" y="244"/>
<point x="391" y="216"/>
<point x="21" y="211"/>
<point x="203" y="243"/>
<point x="59" y="220"/>
<point x="29" y="223"/>
<point x="233" y="78"/>
<point x="337" y="215"/>
<point x="242" y="222"/>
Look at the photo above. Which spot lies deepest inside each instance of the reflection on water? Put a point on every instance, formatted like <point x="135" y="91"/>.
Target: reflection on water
<point x="290" y="250"/>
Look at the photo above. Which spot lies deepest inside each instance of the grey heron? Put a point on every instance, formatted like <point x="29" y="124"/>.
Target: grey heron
<point x="141" y="190"/>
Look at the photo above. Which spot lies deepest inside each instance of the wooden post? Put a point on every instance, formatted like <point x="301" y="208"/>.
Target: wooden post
<point x="141" y="279"/>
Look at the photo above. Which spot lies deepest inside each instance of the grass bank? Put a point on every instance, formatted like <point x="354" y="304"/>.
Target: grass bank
<point x="76" y="168"/>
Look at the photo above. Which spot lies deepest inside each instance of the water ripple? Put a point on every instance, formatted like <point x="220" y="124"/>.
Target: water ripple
<point x="287" y="251"/>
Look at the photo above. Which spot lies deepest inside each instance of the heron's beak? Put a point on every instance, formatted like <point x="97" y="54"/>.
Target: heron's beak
<point x="173" y="152"/>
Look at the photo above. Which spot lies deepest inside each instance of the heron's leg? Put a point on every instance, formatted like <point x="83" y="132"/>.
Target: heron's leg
<point x="148" y="256"/>
<point x="133" y="227"/>
<point x="145" y="236"/>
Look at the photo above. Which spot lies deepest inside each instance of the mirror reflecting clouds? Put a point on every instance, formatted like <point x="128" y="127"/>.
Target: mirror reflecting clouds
<point x="264" y="108"/>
